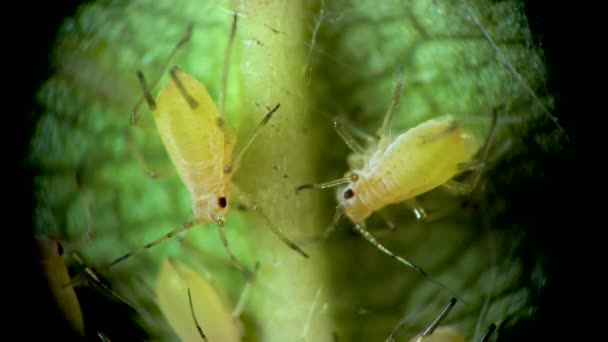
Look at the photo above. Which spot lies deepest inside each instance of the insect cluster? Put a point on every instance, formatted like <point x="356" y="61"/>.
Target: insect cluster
<point x="390" y="169"/>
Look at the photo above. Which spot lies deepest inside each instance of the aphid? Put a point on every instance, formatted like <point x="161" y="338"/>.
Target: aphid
<point x="53" y="267"/>
<point x="52" y="264"/>
<point x="191" y="305"/>
<point x="200" y="146"/>
<point x="397" y="170"/>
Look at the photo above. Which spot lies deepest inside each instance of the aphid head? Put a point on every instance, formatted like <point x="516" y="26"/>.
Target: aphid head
<point x="353" y="207"/>
<point x="211" y="209"/>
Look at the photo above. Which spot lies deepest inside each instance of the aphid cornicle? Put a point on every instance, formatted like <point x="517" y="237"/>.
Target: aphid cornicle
<point x="201" y="147"/>
<point x="396" y="170"/>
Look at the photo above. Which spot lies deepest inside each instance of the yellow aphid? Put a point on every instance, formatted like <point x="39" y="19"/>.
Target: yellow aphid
<point x="193" y="307"/>
<point x="417" y="161"/>
<point x="201" y="146"/>
<point x="52" y="264"/>
<point x="399" y="169"/>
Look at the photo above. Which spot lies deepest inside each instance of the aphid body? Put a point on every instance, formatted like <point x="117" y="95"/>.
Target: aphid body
<point x="417" y="161"/>
<point x="396" y="170"/>
<point x="201" y="146"/>
<point x="198" y="148"/>
<point x="52" y="264"/>
<point x="193" y="307"/>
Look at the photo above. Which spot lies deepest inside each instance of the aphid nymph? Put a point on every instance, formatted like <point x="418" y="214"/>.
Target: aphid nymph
<point x="399" y="169"/>
<point x="201" y="147"/>
<point x="52" y="264"/>
<point x="193" y="307"/>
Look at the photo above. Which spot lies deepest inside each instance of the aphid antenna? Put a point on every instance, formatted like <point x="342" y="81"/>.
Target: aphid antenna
<point x="330" y="184"/>
<point x="198" y="326"/>
<point x="222" y="95"/>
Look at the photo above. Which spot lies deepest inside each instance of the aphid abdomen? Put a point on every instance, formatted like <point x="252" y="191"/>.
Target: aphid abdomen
<point x="421" y="159"/>
<point x="191" y="136"/>
<point x="417" y="161"/>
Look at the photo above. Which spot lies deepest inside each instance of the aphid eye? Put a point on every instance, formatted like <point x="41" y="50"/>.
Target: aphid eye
<point x="59" y="249"/>
<point x="221" y="202"/>
<point x="348" y="194"/>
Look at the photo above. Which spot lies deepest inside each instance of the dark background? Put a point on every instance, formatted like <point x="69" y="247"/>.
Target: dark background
<point x="565" y="237"/>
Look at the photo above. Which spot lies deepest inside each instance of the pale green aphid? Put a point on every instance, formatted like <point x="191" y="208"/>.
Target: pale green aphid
<point x="193" y="307"/>
<point x="201" y="147"/>
<point x="399" y="169"/>
<point x="52" y="262"/>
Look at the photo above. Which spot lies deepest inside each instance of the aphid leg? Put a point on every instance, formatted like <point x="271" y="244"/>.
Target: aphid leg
<point x="360" y="227"/>
<point x="444" y="312"/>
<point x="384" y="215"/>
<point x="348" y="138"/>
<point x="334" y="222"/>
<point x="253" y="206"/>
<point x="416" y="208"/>
<point x="146" y="90"/>
<point x="240" y="304"/>
<point x="246" y="272"/>
<point x="236" y="159"/>
<point x="93" y="275"/>
<point x="198" y="327"/>
<point x="332" y="226"/>
<point x="185" y="226"/>
<point x="385" y="130"/>
<point x="330" y="184"/>
<point x="488" y="333"/>
<point x="477" y="166"/>
<point x="222" y="96"/>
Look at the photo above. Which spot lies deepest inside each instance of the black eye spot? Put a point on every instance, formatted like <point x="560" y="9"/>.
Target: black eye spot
<point x="348" y="194"/>
<point x="59" y="248"/>
<point x="221" y="202"/>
